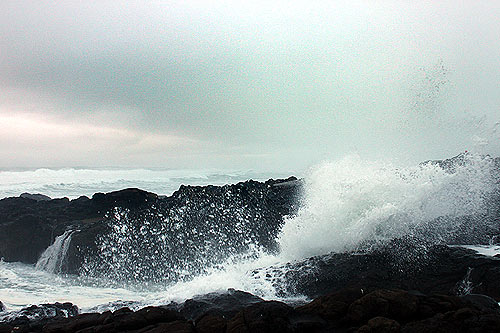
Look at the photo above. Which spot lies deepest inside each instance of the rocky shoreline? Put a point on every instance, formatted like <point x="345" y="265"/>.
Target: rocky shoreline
<point x="410" y="284"/>
<point x="348" y="310"/>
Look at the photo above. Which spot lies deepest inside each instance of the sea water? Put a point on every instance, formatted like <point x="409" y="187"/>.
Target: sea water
<point x="347" y="205"/>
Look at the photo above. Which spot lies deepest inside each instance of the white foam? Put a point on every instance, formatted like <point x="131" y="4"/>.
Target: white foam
<point x="485" y="250"/>
<point x="354" y="201"/>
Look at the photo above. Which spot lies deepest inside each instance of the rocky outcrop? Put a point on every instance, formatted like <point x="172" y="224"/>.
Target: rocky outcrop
<point x="28" y="225"/>
<point x="192" y="230"/>
<point x="350" y="310"/>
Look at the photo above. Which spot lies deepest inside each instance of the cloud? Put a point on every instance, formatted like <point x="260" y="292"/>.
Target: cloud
<point x="299" y="81"/>
<point x="44" y="142"/>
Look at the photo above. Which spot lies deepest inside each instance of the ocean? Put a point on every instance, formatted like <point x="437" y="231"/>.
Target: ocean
<point x="348" y="205"/>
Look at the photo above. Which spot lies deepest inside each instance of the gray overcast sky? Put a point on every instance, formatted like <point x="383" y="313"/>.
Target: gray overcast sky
<point x="246" y="84"/>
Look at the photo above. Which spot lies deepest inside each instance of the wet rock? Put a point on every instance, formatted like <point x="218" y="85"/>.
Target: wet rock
<point x="380" y="325"/>
<point x="131" y="198"/>
<point x="347" y="310"/>
<point x="395" y="304"/>
<point x="333" y="306"/>
<point x="211" y="324"/>
<point x="481" y="301"/>
<point x="270" y="316"/>
<point x="2" y="307"/>
<point x="178" y="326"/>
<point x="200" y="218"/>
<point x="155" y="315"/>
<point x="440" y="269"/>
<point x="224" y="305"/>
<point x="56" y="310"/>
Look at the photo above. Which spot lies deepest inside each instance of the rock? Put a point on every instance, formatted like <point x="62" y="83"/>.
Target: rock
<point x="130" y="198"/>
<point x="269" y="316"/>
<point x="155" y="315"/>
<point x="380" y="310"/>
<point x="24" y="239"/>
<point x="28" y="226"/>
<point x="2" y="307"/>
<point x="36" y="197"/>
<point x="178" y="326"/>
<point x="55" y="310"/>
<point x="211" y="324"/>
<point x="224" y="305"/>
<point x="481" y="301"/>
<point x="380" y="325"/>
<point x="333" y="306"/>
<point x="200" y="218"/>
<point x="440" y="269"/>
<point x="396" y="304"/>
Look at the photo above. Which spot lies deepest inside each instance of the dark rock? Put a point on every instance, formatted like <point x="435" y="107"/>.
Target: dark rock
<point x="348" y="310"/>
<point x="333" y="306"/>
<point x="130" y="198"/>
<point x="224" y="305"/>
<point x="28" y="226"/>
<point x="184" y="230"/>
<point x="440" y="269"/>
<point x="56" y="310"/>
<point x="270" y="316"/>
<point x="380" y="325"/>
<point x="128" y="320"/>
<point x="36" y="197"/>
<point x="174" y="327"/>
<point x="395" y="304"/>
<point x="155" y="315"/>
<point x="24" y="239"/>
<point x="481" y="301"/>
<point x="2" y="307"/>
<point x="211" y="324"/>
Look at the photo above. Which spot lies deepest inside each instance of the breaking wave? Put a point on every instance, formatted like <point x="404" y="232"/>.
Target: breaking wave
<point x="352" y="204"/>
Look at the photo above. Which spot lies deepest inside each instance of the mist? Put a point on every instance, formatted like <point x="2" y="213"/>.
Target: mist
<point x="271" y="86"/>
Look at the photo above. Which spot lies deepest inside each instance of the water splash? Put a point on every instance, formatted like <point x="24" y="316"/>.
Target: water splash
<point x="52" y="259"/>
<point x="348" y="205"/>
<point x="354" y="203"/>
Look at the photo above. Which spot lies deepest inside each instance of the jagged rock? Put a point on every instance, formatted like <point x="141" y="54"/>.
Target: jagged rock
<point x="184" y="230"/>
<point x="28" y="226"/>
<point x="2" y="307"/>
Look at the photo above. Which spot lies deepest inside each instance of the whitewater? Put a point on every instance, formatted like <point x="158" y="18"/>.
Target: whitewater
<point x="348" y="205"/>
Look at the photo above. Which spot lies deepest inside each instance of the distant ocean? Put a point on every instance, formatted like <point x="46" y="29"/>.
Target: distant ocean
<point x="75" y="182"/>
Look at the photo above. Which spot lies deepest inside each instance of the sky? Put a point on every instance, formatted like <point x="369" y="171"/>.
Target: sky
<point x="268" y="85"/>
